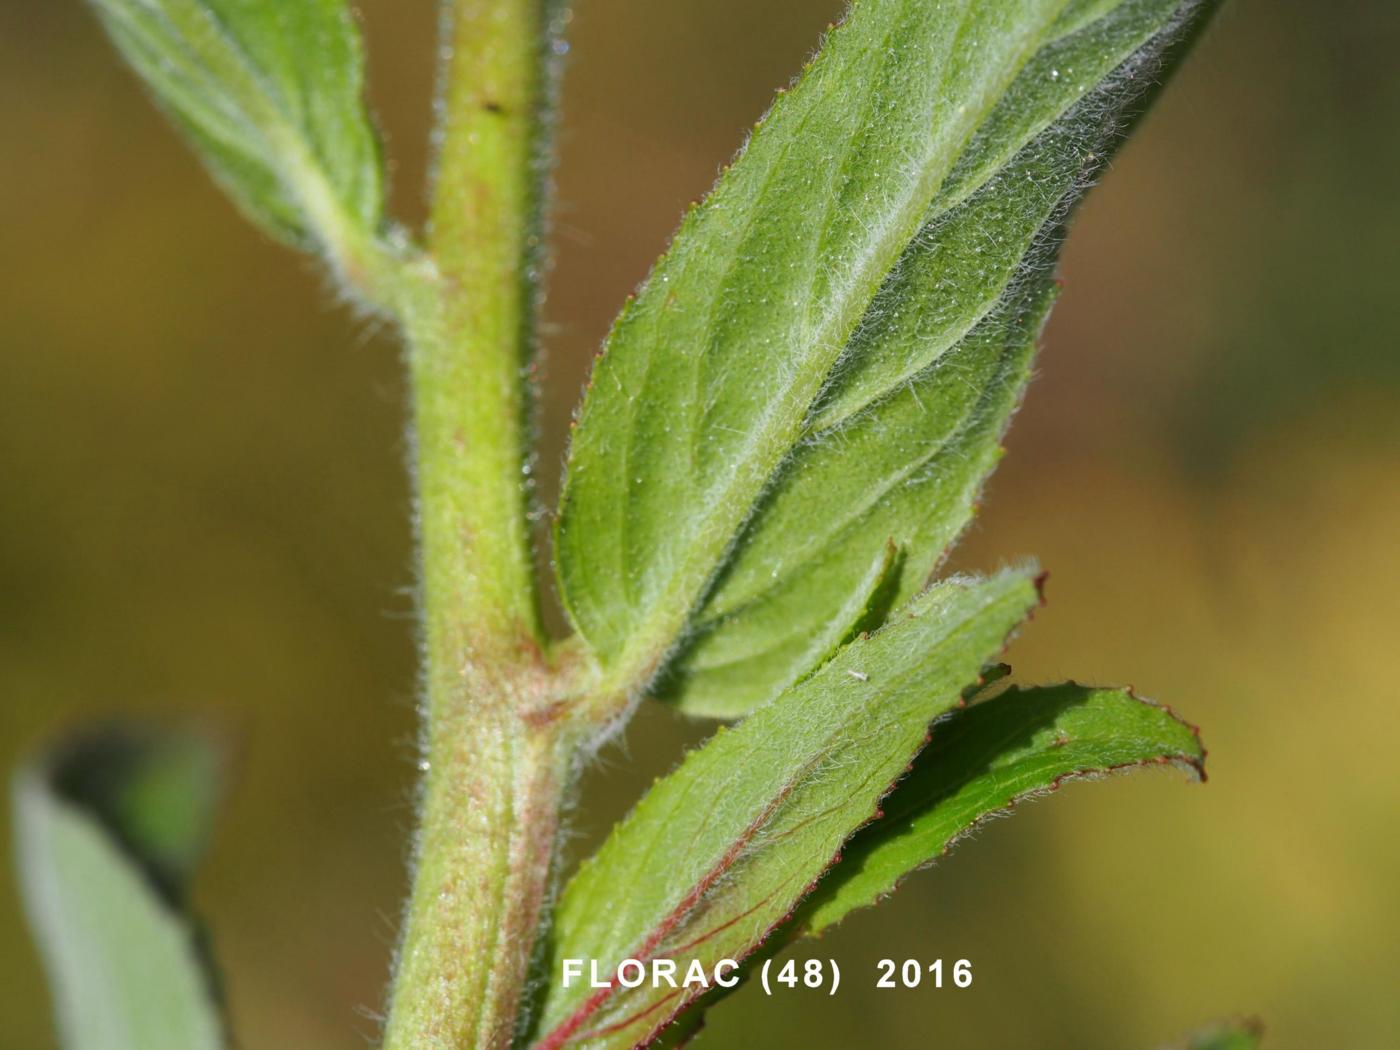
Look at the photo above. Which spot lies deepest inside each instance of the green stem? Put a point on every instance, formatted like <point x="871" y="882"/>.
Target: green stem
<point x="498" y="755"/>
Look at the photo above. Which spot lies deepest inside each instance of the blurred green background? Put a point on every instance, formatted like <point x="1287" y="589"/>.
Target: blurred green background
<point x="205" y="515"/>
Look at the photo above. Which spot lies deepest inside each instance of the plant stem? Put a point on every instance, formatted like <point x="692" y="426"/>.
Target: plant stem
<point x="497" y="759"/>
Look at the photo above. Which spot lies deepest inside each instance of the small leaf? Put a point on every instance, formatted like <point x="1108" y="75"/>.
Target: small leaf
<point x="268" y="92"/>
<point x="1236" y="1035"/>
<point x="108" y="830"/>
<point x="718" y="852"/>
<point x="986" y="759"/>
<point x="886" y="207"/>
<point x="983" y="760"/>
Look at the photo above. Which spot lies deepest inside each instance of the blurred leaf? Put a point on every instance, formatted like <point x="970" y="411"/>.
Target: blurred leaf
<point x="985" y="760"/>
<point x="268" y="92"/>
<point x="718" y="852"/>
<point x="724" y="363"/>
<point x="109" y="828"/>
<point x="1237" y="1035"/>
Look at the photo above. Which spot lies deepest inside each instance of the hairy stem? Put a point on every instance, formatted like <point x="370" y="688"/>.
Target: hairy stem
<point x="497" y="758"/>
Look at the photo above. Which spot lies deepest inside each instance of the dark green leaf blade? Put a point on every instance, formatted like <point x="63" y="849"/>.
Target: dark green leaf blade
<point x="269" y="94"/>
<point x="108" y="830"/>
<point x="984" y="760"/>
<point x="719" y="851"/>
<point x="708" y="375"/>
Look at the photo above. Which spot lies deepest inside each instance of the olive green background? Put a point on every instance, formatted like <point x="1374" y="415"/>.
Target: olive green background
<point x="205" y="516"/>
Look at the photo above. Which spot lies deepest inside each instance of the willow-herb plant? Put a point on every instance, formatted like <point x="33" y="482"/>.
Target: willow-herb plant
<point x="787" y="428"/>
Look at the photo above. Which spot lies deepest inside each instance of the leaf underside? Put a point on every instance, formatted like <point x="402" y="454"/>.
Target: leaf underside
<point x="825" y="359"/>
<point x="719" y="851"/>
<point x="108" y="830"/>
<point x="269" y="94"/>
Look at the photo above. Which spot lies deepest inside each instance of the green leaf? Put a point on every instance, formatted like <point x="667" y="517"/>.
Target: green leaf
<point x="983" y="761"/>
<point x="925" y="448"/>
<point x="1024" y="169"/>
<point x="887" y="207"/>
<point x="269" y="94"/>
<point x="1237" y="1035"/>
<point x="718" y="852"/>
<point x="728" y="673"/>
<point x="109" y="828"/>
<point x="910" y="423"/>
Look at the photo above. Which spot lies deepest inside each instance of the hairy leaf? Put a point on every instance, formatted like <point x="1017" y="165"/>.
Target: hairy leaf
<point x="928" y="446"/>
<point x="707" y="376"/>
<point x="983" y="761"/>
<point x="268" y="92"/>
<point x="718" y="852"/>
<point x="890" y="204"/>
<point x="910" y="422"/>
<point x="1024" y="169"/>
<point x="108" y="831"/>
<point x="727" y="673"/>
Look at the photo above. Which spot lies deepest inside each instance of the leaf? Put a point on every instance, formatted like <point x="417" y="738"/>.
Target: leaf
<point x="1024" y="170"/>
<point x="910" y="423"/>
<point x="268" y="93"/>
<point x="810" y="245"/>
<point x="983" y="761"/>
<point x="708" y="374"/>
<point x="928" y="446"/>
<point x="108" y="830"/>
<point x="731" y="672"/>
<point x="1237" y="1035"/>
<point x="718" y="852"/>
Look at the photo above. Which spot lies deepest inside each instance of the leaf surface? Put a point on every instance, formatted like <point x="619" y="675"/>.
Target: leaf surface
<point x="720" y="850"/>
<point x="909" y="424"/>
<point x="928" y="446"/>
<point x="108" y="830"/>
<point x="908" y="190"/>
<point x="268" y="92"/>
<point x="708" y="374"/>
<point x="983" y="760"/>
